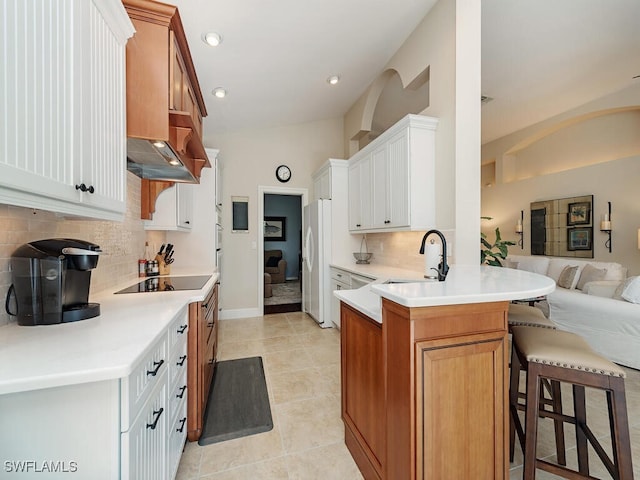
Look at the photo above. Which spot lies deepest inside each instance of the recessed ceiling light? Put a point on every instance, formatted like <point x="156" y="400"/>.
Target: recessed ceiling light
<point x="333" y="79"/>
<point x="219" y="92"/>
<point x="212" y="39"/>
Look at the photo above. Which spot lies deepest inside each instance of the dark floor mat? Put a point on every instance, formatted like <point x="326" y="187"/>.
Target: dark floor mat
<point x="282" y="308"/>
<point x="238" y="402"/>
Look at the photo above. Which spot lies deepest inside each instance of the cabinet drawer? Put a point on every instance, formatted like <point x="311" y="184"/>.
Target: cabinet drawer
<point x="178" y="363"/>
<point x="179" y="328"/>
<point x="177" y="396"/>
<point x="144" y="446"/>
<point x="177" y="437"/>
<point x="341" y="276"/>
<point x="136" y="387"/>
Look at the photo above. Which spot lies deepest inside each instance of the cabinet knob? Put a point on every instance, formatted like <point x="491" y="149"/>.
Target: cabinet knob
<point x="358" y="225"/>
<point x="187" y="222"/>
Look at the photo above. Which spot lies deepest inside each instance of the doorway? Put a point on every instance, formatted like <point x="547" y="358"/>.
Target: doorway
<point x="280" y="249"/>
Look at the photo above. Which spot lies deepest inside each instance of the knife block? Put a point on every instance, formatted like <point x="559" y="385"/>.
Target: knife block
<point x="163" y="268"/>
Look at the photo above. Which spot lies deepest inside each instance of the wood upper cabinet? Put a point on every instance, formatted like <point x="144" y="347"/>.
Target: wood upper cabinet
<point x="164" y="100"/>
<point x="202" y="352"/>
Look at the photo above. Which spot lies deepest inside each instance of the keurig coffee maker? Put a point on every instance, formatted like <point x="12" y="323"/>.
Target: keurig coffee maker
<point x="51" y="280"/>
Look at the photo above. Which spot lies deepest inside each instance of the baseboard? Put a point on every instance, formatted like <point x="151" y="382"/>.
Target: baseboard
<point x="239" y="313"/>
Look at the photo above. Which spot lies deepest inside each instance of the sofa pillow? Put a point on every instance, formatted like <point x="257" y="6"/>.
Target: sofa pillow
<point x="632" y="292"/>
<point x="272" y="261"/>
<point x="565" y="280"/>
<point x="617" y="295"/>
<point x="590" y="274"/>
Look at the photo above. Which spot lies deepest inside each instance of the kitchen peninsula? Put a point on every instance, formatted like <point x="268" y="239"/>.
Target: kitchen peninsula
<point x="424" y="379"/>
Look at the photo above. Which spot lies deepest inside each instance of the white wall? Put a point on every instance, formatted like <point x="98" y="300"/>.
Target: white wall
<point x="250" y="159"/>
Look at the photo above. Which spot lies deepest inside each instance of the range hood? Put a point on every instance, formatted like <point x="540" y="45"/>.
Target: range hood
<point x="156" y="160"/>
<point x="165" y="106"/>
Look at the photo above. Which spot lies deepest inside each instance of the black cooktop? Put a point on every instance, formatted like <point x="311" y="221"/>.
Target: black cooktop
<point x="167" y="284"/>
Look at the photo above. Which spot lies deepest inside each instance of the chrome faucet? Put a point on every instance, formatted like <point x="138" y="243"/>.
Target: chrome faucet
<point x="443" y="268"/>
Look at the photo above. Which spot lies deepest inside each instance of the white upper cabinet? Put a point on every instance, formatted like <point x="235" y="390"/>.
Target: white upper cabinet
<point x="392" y="180"/>
<point x="63" y="139"/>
<point x="174" y="209"/>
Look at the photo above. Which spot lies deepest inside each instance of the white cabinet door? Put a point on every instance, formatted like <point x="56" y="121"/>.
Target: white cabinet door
<point x="144" y="446"/>
<point x="397" y="185"/>
<point x="366" y="191"/>
<point x="174" y="209"/>
<point x="65" y="101"/>
<point x="354" y="197"/>
<point x="380" y="179"/>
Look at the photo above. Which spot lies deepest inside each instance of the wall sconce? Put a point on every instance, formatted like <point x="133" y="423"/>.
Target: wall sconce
<point x="605" y="226"/>
<point x="519" y="229"/>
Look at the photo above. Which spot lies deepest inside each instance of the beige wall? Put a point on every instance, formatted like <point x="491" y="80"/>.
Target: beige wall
<point x="448" y="42"/>
<point x="598" y="155"/>
<point x="250" y="159"/>
<point x="122" y="243"/>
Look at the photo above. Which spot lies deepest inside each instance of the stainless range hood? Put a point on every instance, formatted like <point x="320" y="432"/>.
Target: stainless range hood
<point x="156" y="160"/>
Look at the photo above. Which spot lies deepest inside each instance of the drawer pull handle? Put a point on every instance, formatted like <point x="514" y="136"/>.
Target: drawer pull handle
<point x="153" y="373"/>
<point x="182" y="422"/>
<point x="157" y="414"/>
<point x="182" y="390"/>
<point x="83" y="188"/>
<point x="181" y="362"/>
<point x="339" y="275"/>
<point x="182" y="329"/>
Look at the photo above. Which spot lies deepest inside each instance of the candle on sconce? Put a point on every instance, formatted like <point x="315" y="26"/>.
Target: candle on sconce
<point x="519" y="226"/>
<point x="605" y="225"/>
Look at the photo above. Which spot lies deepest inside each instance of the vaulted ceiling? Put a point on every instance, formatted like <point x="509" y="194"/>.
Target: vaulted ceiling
<point x="539" y="57"/>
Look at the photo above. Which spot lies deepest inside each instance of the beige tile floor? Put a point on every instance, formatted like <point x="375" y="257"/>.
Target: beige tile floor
<point x="302" y="369"/>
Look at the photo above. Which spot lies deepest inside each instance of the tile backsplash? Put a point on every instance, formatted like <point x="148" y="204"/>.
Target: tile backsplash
<point x="122" y="244"/>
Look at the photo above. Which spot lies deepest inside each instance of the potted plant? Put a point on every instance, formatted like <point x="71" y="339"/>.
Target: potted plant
<point x="494" y="254"/>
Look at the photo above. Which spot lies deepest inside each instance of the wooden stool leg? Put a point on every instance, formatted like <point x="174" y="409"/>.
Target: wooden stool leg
<point x="531" y="421"/>
<point x="513" y="404"/>
<point x="558" y="425"/>
<point x="620" y="429"/>
<point x="580" y="412"/>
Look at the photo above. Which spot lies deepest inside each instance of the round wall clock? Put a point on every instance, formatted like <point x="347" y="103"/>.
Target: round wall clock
<point x="283" y="173"/>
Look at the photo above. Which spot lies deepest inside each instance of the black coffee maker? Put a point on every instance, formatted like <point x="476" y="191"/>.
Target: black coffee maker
<point x="51" y="280"/>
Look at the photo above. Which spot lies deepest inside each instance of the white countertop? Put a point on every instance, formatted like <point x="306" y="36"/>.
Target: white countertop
<point x="101" y="348"/>
<point x="464" y="284"/>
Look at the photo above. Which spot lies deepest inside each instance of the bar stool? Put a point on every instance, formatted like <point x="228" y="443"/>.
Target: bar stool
<point x="566" y="357"/>
<point x="525" y="315"/>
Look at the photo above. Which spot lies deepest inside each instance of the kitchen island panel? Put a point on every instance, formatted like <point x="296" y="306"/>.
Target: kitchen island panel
<point x="363" y="405"/>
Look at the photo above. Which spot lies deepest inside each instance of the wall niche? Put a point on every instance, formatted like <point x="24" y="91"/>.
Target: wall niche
<point x="562" y="227"/>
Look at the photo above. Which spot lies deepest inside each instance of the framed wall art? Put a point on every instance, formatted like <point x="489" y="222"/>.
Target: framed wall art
<point x="579" y="213"/>
<point x="275" y="229"/>
<point x="579" y="238"/>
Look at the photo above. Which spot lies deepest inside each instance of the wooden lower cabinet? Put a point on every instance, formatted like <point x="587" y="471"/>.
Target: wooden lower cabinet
<point x="425" y="395"/>
<point x="363" y="390"/>
<point x="202" y="352"/>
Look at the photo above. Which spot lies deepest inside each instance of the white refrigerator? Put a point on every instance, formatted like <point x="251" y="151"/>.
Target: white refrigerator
<point x="316" y="255"/>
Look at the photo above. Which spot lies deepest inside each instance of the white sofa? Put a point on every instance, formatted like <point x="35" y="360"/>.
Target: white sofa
<point x="610" y="325"/>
